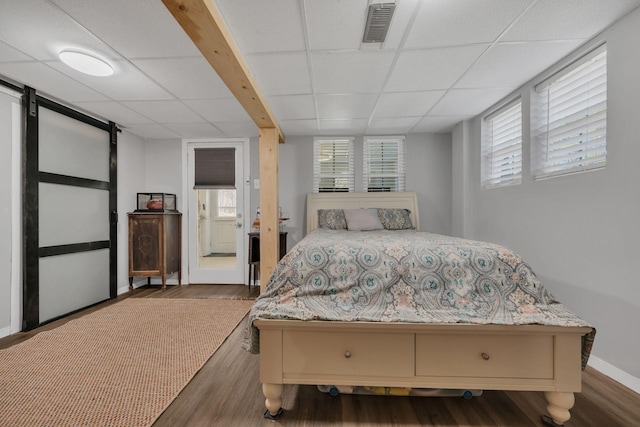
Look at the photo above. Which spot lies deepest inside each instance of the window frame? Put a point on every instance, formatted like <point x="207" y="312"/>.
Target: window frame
<point x="348" y="175"/>
<point x="401" y="163"/>
<point x="512" y="148"/>
<point x="218" y="207"/>
<point x="549" y="156"/>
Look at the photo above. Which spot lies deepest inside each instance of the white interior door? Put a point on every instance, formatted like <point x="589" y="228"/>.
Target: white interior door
<point x="217" y="220"/>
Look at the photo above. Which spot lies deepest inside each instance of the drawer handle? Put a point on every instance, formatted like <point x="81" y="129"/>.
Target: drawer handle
<point x="486" y="356"/>
<point x="347" y="354"/>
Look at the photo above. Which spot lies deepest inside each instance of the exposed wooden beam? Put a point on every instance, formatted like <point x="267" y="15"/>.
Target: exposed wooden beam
<point x="203" y="23"/>
<point x="269" y="212"/>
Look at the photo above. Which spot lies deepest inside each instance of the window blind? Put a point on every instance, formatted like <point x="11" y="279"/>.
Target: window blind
<point x="571" y="118"/>
<point x="502" y="146"/>
<point x="215" y="168"/>
<point x="384" y="164"/>
<point x="333" y="165"/>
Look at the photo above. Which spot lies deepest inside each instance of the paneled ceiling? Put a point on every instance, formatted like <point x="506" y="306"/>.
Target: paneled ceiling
<point x="443" y="61"/>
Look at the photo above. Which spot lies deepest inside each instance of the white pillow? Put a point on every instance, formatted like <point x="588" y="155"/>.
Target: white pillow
<point x="362" y="219"/>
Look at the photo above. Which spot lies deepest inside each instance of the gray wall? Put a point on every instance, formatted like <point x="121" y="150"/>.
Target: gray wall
<point x="428" y="174"/>
<point x="132" y="179"/>
<point x="578" y="232"/>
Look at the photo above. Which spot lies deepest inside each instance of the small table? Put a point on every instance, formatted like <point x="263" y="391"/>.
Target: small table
<point x="254" y="251"/>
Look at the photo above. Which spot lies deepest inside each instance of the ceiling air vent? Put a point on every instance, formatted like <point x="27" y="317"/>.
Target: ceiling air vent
<point x="378" y="20"/>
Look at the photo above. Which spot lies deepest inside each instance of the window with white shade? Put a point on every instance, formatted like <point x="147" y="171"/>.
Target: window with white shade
<point x="570" y="118"/>
<point x="333" y="165"/>
<point x="384" y="164"/>
<point x="502" y="146"/>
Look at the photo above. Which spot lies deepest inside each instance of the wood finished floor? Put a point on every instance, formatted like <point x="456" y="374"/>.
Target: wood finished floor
<point x="227" y="392"/>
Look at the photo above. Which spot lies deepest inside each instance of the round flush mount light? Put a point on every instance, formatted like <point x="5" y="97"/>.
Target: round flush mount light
<point x="86" y="63"/>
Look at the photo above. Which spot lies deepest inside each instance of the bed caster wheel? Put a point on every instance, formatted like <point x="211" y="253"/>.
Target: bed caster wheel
<point x="333" y="391"/>
<point x="548" y="421"/>
<point x="268" y="415"/>
<point x="467" y="394"/>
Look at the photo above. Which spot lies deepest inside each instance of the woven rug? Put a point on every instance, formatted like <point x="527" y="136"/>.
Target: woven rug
<point x="118" y="366"/>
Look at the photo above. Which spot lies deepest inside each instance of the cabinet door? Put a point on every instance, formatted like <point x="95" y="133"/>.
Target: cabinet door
<point x="145" y="243"/>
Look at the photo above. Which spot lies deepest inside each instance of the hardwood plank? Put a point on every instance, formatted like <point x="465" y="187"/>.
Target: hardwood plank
<point x="227" y="391"/>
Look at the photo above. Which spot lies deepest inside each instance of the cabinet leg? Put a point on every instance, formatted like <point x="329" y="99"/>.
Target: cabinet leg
<point x="273" y="400"/>
<point x="130" y="283"/>
<point x="164" y="282"/>
<point x="558" y="405"/>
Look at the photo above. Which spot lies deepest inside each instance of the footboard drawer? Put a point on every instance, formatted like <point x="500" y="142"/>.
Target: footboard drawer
<point x="485" y="356"/>
<point x="331" y="353"/>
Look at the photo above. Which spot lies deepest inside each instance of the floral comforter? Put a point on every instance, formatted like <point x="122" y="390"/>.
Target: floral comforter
<point x="406" y="276"/>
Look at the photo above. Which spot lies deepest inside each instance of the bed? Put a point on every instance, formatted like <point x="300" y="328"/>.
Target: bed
<point x="392" y="306"/>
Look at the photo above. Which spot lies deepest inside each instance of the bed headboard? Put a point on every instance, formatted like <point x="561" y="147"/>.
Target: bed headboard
<point x="315" y="201"/>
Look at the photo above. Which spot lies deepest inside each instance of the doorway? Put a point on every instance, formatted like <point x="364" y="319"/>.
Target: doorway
<point x="69" y="210"/>
<point x="218" y="204"/>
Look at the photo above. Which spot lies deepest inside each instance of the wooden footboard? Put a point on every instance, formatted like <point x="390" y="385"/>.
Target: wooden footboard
<point x="449" y="356"/>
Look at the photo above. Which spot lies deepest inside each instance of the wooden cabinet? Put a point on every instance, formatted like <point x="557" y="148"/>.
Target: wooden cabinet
<point x="155" y="245"/>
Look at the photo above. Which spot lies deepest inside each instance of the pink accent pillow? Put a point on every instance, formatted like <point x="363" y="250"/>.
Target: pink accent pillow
<point x="362" y="219"/>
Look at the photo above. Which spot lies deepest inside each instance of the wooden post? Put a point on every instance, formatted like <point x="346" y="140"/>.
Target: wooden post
<point x="269" y="215"/>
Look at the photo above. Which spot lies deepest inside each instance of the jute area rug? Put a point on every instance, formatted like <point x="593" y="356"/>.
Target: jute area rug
<point x="119" y="366"/>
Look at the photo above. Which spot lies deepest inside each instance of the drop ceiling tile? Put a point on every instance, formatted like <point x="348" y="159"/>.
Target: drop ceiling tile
<point x="405" y="11"/>
<point x="153" y="131"/>
<point x="186" y="78"/>
<point x="281" y="73"/>
<point x="399" y="104"/>
<point x="335" y="24"/>
<point x="437" y="124"/>
<point x="115" y="112"/>
<point x="264" y="26"/>
<point x="568" y="19"/>
<point x="127" y="82"/>
<point x="136" y="29"/>
<point x="195" y="130"/>
<point x="10" y="54"/>
<point x="238" y="129"/>
<point x="468" y="102"/>
<point x="431" y="69"/>
<point x="350" y="72"/>
<point x="219" y="110"/>
<point x="164" y="111"/>
<point x="292" y="107"/>
<point x="395" y="125"/>
<point x="342" y="127"/>
<point x="41" y="30"/>
<point x="513" y="64"/>
<point x="49" y="81"/>
<point x="298" y="127"/>
<point x="459" y="22"/>
<point x="345" y="106"/>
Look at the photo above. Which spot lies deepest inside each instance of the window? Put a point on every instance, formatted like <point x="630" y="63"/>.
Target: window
<point x="502" y="146"/>
<point x="226" y="203"/>
<point x="570" y="130"/>
<point x="333" y="165"/>
<point x="384" y="164"/>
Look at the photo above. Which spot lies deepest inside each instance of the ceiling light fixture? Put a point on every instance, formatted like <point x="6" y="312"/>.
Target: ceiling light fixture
<point x="86" y="63"/>
<point x="378" y="21"/>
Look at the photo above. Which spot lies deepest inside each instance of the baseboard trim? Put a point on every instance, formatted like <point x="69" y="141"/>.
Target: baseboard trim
<point x="614" y="373"/>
